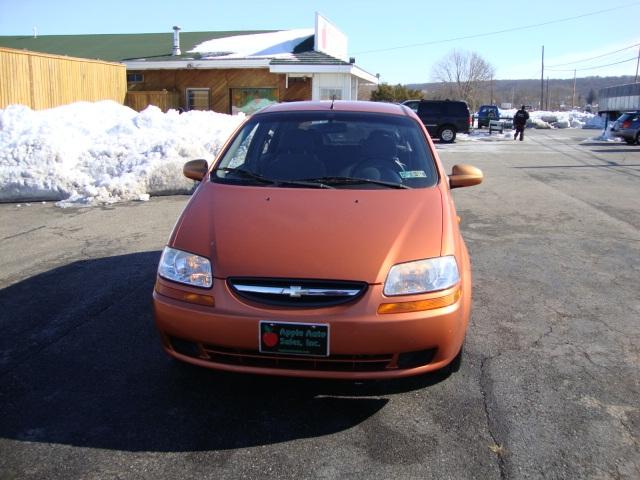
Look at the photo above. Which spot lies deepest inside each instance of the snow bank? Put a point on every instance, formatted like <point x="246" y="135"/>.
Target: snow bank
<point x="93" y="153"/>
<point x="544" y="119"/>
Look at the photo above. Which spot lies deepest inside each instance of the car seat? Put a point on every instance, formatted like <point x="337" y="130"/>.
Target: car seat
<point x="296" y="158"/>
<point x="380" y="160"/>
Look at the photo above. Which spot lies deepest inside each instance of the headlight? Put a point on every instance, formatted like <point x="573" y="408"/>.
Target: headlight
<point x="185" y="268"/>
<point x="422" y="276"/>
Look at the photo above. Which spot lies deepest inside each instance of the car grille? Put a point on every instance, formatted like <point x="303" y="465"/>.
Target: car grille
<point x="335" y="363"/>
<point x="332" y="363"/>
<point x="301" y="293"/>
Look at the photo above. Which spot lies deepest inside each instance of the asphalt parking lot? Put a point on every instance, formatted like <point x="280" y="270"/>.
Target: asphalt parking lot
<point x="549" y="386"/>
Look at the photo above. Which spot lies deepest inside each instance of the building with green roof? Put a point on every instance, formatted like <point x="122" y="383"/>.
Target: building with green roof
<point x="225" y="71"/>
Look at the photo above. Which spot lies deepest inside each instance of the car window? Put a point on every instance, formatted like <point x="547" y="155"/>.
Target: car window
<point x="429" y="108"/>
<point x="335" y="149"/>
<point x="458" y="108"/>
<point x="412" y="105"/>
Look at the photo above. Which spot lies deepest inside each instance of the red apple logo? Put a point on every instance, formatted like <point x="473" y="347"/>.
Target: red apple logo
<point x="270" y="339"/>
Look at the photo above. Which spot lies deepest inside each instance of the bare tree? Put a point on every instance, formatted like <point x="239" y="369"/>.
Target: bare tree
<point x="464" y="75"/>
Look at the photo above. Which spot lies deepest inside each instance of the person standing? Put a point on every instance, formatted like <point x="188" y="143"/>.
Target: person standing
<point x="520" y="121"/>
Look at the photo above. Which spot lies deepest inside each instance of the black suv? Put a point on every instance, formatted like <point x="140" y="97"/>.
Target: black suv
<point x="443" y="118"/>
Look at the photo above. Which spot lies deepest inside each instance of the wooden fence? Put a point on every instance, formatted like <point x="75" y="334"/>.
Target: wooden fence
<point x="162" y="99"/>
<point x="41" y="80"/>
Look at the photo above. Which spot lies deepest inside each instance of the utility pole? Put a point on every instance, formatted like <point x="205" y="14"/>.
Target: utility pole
<point x="547" y="108"/>
<point x="542" y="82"/>
<point x="573" y="99"/>
<point x="637" y="65"/>
<point x="491" y="83"/>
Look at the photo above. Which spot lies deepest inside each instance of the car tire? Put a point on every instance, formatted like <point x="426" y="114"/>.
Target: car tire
<point x="447" y="134"/>
<point x="630" y="141"/>
<point x="638" y="138"/>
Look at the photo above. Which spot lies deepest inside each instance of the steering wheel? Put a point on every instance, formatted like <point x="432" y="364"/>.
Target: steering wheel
<point x="377" y="169"/>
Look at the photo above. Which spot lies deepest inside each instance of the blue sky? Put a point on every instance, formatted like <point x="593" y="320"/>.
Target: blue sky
<point x="400" y="40"/>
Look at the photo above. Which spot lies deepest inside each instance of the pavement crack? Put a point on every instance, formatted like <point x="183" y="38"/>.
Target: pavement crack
<point x="26" y="232"/>
<point x="485" y="389"/>
<point x="630" y="433"/>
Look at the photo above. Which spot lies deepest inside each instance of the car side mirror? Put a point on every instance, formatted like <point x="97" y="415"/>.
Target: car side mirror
<point x="465" y="176"/>
<point x="195" y="169"/>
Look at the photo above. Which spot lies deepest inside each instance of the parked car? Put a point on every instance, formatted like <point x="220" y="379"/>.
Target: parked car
<point x="322" y="242"/>
<point x="627" y="127"/>
<point x="443" y="118"/>
<point x="486" y="113"/>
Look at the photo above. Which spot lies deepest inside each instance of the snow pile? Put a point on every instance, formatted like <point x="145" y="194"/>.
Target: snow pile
<point x="605" y="135"/>
<point x="596" y="122"/>
<point x="541" y="119"/>
<point x="476" y="135"/>
<point x="92" y="153"/>
<point x="544" y="119"/>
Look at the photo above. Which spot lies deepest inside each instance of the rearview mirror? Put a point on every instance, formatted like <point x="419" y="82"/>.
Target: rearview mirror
<point x="195" y="169"/>
<point x="465" y="176"/>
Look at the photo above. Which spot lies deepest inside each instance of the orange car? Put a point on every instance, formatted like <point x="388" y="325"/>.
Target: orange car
<point x="322" y="242"/>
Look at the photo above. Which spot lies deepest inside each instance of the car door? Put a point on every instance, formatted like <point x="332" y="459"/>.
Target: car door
<point x="430" y="114"/>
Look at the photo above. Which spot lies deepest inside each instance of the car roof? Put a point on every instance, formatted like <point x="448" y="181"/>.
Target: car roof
<point x="338" y="106"/>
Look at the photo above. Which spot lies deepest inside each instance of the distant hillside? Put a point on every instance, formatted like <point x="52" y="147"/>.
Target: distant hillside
<point x="518" y="92"/>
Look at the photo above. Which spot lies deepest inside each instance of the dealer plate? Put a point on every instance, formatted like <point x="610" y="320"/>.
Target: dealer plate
<point x="311" y="339"/>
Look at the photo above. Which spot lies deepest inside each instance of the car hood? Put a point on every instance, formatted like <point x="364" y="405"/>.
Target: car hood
<point x="340" y="234"/>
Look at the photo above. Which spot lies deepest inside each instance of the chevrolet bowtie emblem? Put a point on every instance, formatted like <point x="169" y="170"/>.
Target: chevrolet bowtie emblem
<point x="295" y="291"/>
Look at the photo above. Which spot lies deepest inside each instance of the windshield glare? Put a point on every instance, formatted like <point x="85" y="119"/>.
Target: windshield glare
<point x="336" y="149"/>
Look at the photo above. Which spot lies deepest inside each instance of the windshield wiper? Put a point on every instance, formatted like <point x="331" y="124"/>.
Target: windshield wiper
<point x="355" y="181"/>
<point x="272" y="181"/>
<point x="246" y="174"/>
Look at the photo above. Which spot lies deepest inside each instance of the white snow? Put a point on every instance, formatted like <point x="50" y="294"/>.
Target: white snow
<point x="95" y="153"/>
<point x="87" y="154"/>
<point x="541" y="119"/>
<point x="272" y="45"/>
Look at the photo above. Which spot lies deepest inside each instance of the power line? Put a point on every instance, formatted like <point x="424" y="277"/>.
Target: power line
<point x="593" y="58"/>
<point x="590" y="68"/>
<point x="497" y="32"/>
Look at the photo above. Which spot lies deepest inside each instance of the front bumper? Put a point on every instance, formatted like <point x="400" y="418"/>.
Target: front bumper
<point x="363" y="343"/>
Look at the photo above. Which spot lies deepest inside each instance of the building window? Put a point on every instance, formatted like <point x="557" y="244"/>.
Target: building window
<point x="198" y="99"/>
<point x="250" y="100"/>
<point x="135" y="78"/>
<point x="330" y="94"/>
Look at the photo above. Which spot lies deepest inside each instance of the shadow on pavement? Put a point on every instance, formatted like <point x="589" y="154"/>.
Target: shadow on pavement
<point x="82" y="365"/>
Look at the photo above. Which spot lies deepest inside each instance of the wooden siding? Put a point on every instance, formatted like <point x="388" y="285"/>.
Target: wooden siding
<point x="220" y="82"/>
<point x="162" y="99"/>
<point x="41" y="80"/>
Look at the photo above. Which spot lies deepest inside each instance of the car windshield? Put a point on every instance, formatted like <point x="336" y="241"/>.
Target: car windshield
<point x="328" y="149"/>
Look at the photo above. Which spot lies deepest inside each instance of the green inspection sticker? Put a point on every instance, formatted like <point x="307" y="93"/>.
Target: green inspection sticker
<point x="413" y="174"/>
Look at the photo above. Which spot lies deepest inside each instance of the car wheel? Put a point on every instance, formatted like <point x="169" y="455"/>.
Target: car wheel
<point x="638" y="138"/>
<point x="447" y="134"/>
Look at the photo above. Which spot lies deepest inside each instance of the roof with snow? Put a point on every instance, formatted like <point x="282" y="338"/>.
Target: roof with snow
<point x="282" y="51"/>
<point x="283" y="46"/>
<point x="119" y="47"/>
